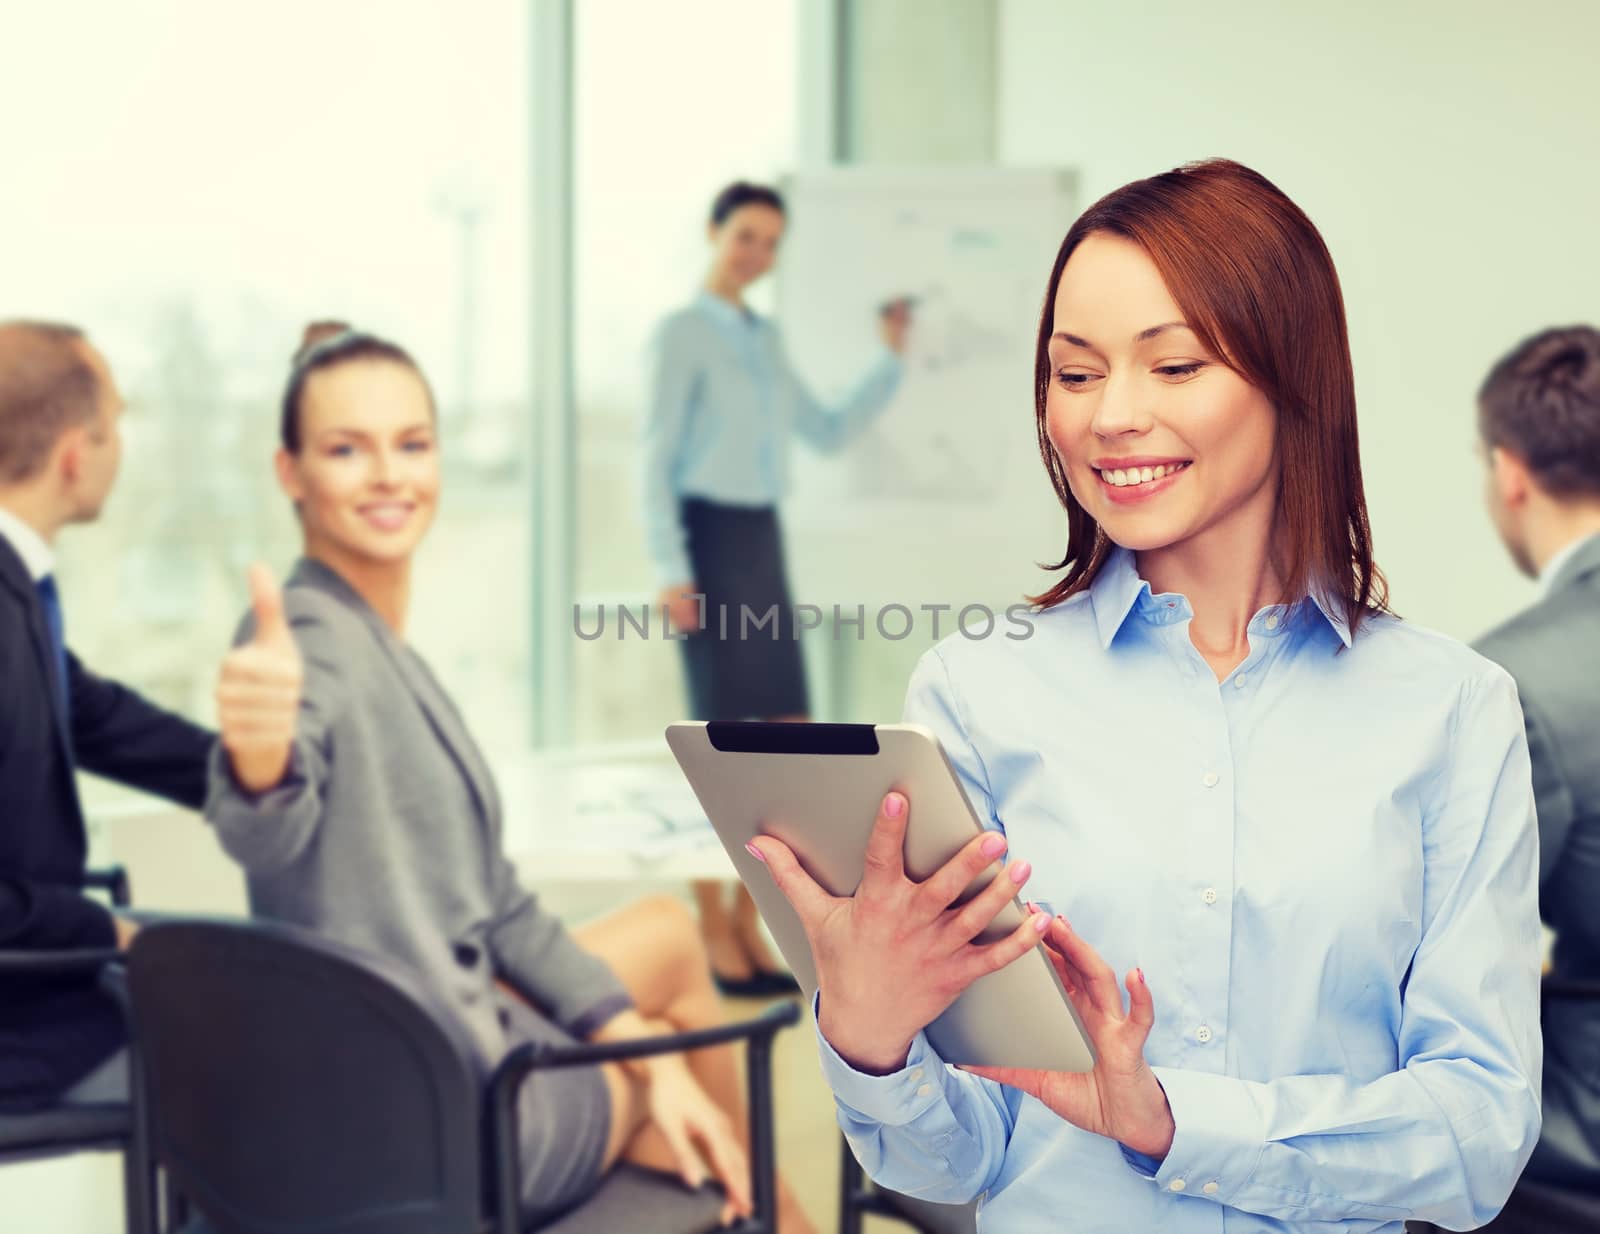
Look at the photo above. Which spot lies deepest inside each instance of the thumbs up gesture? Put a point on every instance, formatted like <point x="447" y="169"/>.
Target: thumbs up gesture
<point x="258" y="692"/>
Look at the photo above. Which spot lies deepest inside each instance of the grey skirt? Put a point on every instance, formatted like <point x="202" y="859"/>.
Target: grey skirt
<point x="746" y="663"/>
<point x="563" y="1121"/>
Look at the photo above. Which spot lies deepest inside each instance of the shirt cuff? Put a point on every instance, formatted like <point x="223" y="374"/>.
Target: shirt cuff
<point x="1219" y="1135"/>
<point x="1143" y="1164"/>
<point x="274" y="800"/>
<point x="895" y="1099"/>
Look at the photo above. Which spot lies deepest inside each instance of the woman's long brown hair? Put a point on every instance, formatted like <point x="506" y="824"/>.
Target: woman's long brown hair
<point x="1256" y="284"/>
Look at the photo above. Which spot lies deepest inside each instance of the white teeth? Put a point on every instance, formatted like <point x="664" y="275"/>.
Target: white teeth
<point x="1121" y="477"/>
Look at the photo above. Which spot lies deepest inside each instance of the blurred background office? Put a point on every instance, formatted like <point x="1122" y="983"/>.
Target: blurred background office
<point x="514" y="188"/>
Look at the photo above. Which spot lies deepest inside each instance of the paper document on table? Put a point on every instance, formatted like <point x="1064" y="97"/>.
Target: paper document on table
<point x="641" y="811"/>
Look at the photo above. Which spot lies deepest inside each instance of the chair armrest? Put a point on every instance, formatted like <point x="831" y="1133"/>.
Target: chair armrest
<point x="1583" y="988"/>
<point x="114" y="981"/>
<point x="56" y="963"/>
<point x="541" y="1056"/>
<point x="113" y="879"/>
<point x="757" y="1033"/>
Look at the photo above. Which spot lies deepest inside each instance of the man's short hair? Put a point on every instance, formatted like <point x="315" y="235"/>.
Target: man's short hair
<point x="1542" y="404"/>
<point x="46" y="388"/>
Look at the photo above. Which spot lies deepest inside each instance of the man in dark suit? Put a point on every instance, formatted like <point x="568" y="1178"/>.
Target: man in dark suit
<point x="60" y="1038"/>
<point x="1539" y="417"/>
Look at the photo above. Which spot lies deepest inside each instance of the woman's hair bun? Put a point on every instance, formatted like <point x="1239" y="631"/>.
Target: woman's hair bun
<point x="316" y="332"/>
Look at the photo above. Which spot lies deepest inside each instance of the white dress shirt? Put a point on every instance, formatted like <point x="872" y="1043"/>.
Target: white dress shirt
<point x="34" y="549"/>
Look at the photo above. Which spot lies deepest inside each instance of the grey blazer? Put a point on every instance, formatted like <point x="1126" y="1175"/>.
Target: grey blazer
<point x="1553" y="650"/>
<point x="386" y="834"/>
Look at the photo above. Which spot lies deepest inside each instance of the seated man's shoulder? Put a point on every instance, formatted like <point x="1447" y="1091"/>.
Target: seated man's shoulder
<point x="1549" y="642"/>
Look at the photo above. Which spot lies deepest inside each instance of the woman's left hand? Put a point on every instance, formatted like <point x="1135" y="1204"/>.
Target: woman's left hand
<point x="693" y="1124"/>
<point x="1121" y="1098"/>
<point x="894" y="322"/>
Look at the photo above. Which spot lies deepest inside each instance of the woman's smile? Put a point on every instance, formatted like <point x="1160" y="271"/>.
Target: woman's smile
<point x="1127" y="481"/>
<point x="387" y="516"/>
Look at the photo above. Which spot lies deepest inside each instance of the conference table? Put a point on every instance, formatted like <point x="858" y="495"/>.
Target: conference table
<point x="615" y="813"/>
<point x="612" y="813"/>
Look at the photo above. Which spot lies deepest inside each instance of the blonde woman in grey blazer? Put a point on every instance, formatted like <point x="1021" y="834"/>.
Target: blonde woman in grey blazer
<point x="349" y="789"/>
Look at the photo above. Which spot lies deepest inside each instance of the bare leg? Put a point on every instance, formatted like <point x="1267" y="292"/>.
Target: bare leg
<point x="723" y="946"/>
<point x="654" y="948"/>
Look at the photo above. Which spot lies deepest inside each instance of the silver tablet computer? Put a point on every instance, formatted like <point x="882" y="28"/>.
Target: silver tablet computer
<point x="817" y="788"/>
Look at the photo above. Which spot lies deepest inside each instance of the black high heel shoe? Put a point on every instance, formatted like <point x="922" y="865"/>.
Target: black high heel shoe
<point x="742" y="987"/>
<point x="765" y="984"/>
<point x="778" y="983"/>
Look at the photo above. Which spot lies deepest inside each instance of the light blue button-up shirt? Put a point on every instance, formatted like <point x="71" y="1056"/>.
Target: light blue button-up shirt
<point x="1326" y="867"/>
<point x="722" y="402"/>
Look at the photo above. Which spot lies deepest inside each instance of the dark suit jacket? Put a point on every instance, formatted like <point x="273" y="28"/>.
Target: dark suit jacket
<point x="54" y="1031"/>
<point x="1553" y="650"/>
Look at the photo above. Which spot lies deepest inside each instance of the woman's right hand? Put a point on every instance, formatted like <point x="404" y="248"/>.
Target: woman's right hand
<point x="894" y="955"/>
<point x="681" y="603"/>
<point x="258" y="692"/>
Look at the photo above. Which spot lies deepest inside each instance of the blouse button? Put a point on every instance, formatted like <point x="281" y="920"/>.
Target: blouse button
<point x="1176" y="1184"/>
<point x="1210" y="1189"/>
<point x="1202" y="1034"/>
<point x="1210" y="779"/>
<point x="1238" y="682"/>
<point x="1272" y="622"/>
<point x="1209" y="895"/>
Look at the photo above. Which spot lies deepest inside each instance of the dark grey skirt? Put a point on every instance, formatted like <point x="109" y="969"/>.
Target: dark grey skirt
<point x="745" y="664"/>
<point x="563" y="1121"/>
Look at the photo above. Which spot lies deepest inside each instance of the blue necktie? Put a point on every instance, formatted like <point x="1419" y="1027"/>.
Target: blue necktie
<point x="50" y="602"/>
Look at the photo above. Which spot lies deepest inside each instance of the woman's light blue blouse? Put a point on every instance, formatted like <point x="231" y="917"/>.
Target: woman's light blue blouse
<point x="722" y="402"/>
<point x="1325" y="865"/>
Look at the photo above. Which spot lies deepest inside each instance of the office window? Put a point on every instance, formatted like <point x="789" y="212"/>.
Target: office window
<point x="192" y="185"/>
<point x="671" y="102"/>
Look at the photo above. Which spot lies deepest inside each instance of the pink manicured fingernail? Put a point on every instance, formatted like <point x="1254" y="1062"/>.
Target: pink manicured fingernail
<point x="1140" y="971"/>
<point x="1065" y="924"/>
<point x="993" y="845"/>
<point x="1020" y="872"/>
<point x="894" y="805"/>
<point x="755" y="852"/>
<point x="1041" y="923"/>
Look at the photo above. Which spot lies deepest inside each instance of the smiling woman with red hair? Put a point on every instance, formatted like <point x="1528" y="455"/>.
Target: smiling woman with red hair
<point x="1301" y="828"/>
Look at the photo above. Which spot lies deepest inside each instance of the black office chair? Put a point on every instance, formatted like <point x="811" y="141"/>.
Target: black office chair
<point x="860" y="1197"/>
<point x="295" y="1083"/>
<point x="61" y="1130"/>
